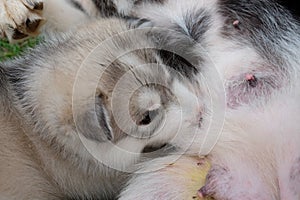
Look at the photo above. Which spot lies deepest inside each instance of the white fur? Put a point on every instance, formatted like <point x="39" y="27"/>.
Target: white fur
<point x="259" y="140"/>
<point x="124" y="7"/>
<point x="258" y="143"/>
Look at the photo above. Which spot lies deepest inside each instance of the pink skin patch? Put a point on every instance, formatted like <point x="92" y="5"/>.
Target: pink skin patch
<point x="242" y="89"/>
<point x="253" y="85"/>
<point x="250" y="77"/>
<point x="251" y="80"/>
<point x="236" y="22"/>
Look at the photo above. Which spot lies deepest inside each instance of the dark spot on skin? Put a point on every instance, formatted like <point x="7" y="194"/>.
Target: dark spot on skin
<point x="201" y="162"/>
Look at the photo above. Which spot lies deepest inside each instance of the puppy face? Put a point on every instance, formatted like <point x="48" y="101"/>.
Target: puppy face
<point x="144" y="102"/>
<point x="139" y="96"/>
<point x="114" y="98"/>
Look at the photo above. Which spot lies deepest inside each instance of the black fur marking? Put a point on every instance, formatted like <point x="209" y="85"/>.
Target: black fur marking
<point x="178" y="44"/>
<point x="19" y="70"/>
<point x="2" y="79"/>
<point x="3" y="87"/>
<point x="178" y="63"/>
<point x="153" y="148"/>
<point x="158" y="150"/>
<point x="106" y="8"/>
<point x="197" y="23"/>
<point x="135" y="22"/>
<point x="77" y="5"/>
<point x="17" y="76"/>
<point x="263" y="24"/>
<point x="149" y="1"/>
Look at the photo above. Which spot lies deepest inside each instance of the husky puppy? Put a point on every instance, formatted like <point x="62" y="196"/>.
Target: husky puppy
<point x="74" y="121"/>
<point x="253" y="47"/>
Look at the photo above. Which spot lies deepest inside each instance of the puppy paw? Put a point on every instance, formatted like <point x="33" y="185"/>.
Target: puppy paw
<point x="20" y="19"/>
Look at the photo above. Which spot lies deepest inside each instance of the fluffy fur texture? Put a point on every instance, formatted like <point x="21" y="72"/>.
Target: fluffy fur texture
<point x="174" y="179"/>
<point x="75" y="121"/>
<point x="254" y="48"/>
<point x="242" y="56"/>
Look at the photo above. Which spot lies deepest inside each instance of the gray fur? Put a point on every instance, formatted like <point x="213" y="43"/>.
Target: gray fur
<point x="65" y="119"/>
<point x="264" y="25"/>
<point x="106" y="8"/>
<point x="257" y="39"/>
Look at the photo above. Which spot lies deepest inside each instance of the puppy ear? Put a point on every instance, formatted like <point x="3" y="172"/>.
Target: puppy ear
<point x="94" y="122"/>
